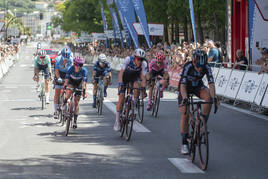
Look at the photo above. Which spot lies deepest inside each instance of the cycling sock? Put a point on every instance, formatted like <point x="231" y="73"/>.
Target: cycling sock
<point x="56" y="107"/>
<point x="75" y="118"/>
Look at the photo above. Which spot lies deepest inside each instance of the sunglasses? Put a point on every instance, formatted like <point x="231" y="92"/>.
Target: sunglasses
<point x="139" y="59"/>
<point x="41" y="56"/>
<point x="78" y="65"/>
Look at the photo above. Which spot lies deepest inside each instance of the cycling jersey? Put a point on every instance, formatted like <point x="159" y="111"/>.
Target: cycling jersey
<point x="131" y="72"/>
<point x="102" y="71"/>
<point x="75" y="78"/>
<point x="63" y="69"/>
<point x="192" y="78"/>
<point x="46" y="62"/>
<point x="154" y="66"/>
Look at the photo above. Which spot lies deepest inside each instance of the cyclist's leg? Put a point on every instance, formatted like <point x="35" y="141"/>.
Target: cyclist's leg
<point x="106" y="81"/>
<point x="95" y="87"/>
<point x="76" y="107"/>
<point x="46" y="73"/>
<point x="184" y="126"/>
<point x="56" y="98"/>
<point x="67" y="96"/>
<point x="164" y="82"/>
<point x="205" y="95"/>
<point x="151" y="87"/>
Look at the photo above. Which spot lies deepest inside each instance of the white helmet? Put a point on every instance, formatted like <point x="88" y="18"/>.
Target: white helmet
<point x="102" y="58"/>
<point x="139" y="53"/>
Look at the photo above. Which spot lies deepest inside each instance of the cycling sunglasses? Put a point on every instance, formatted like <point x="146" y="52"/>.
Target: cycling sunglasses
<point x="78" y="65"/>
<point x="139" y="59"/>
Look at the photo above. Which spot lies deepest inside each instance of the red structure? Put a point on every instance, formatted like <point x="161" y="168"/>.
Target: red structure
<point x="239" y="26"/>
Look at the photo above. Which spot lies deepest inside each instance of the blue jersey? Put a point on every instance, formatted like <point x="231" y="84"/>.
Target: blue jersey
<point x="77" y="76"/>
<point x="102" y="70"/>
<point x="59" y="65"/>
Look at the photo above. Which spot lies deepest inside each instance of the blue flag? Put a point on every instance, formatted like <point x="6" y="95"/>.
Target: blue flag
<point x="193" y="23"/>
<point x="139" y="8"/>
<point x="123" y="23"/>
<point x="116" y="26"/>
<point x="127" y="10"/>
<point x="104" y="24"/>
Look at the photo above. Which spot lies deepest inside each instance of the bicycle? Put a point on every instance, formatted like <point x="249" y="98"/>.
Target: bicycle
<point x="198" y="133"/>
<point x="140" y="106"/>
<point x="69" y="114"/>
<point x="42" y="89"/>
<point x="127" y="116"/>
<point x="156" y="95"/>
<point x="100" y="94"/>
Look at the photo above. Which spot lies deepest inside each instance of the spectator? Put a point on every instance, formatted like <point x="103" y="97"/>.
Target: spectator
<point x="263" y="61"/>
<point x="213" y="54"/>
<point x="241" y="60"/>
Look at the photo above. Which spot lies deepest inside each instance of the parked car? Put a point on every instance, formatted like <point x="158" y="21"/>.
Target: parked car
<point x="52" y="54"/>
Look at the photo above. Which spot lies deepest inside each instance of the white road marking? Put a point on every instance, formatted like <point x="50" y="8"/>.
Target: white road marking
<point x="245" y="111"/>
<point x="18" y="100"/>
<point x="136" y="126"/>
<point x="23" y="65"/>
<point x="5" y="91"/>
<point x="185" y="166"/>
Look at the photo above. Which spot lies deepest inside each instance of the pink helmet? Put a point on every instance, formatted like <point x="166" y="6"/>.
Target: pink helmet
<point x="159" y="56"/>
<point x="79" y="61"/>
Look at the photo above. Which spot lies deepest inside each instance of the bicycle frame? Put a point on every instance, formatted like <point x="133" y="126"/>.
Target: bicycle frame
<point x="42" y="89"/>
<point x="100" y="94"/>
<point x="156" y="95"/>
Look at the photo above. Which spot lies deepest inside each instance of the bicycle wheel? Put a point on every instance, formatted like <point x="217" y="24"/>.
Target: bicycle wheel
<point x="42" y="96"/>
<point x="192" y="142"/>
<point x="100" y="101"/>
<point x="67" y="127"/>
<point x="122" y="123"/>
<point x="202" y="143"/>
<point x="157" y="101"/>
<point x="129" y="121"/>
<point x="153" y="101"/>
<point x="141" y="110"/>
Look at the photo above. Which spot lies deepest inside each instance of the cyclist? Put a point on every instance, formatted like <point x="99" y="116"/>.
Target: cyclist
<point x="76" y="77"/>
<point x="157" y="66"/>
<point x="101" y="68"/>
<point x="191" y="83"/>
<point x="62" y="65"/>
<point x="133" y="68"/>
<point x="42" y="62"/>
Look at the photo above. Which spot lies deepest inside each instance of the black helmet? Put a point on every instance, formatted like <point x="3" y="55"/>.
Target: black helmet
<point x="201" y="55"/>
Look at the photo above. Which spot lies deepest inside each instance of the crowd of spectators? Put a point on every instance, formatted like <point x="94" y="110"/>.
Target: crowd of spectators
<point x="7" y="50"/>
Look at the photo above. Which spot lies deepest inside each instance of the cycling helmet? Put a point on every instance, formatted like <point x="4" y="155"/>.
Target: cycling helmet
<point x="38" y="45"/>
<point x="102" y="58"/>
<point x="42" y="53"/>
<point x="66" y="52"/>
<point x="139" y="53"/>
<point x="201" y="56"/>
<point x="79" y="61"/>
<point x="159" y="56"/>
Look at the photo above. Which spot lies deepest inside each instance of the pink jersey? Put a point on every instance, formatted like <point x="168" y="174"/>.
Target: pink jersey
<point x="153" y="66"/>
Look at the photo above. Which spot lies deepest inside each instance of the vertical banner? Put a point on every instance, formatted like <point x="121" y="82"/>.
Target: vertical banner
<point x="117" y="26"/>
<point x="139" y="8"/>
<point x="104" y="24"/>
<point x="127" y="10"/>
<point x="251" y="10"/>
<point x="192" y="17"/>
<point x="128" y="38"/>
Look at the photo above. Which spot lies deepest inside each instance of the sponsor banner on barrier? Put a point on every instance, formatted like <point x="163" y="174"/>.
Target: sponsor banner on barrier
<point x="265" y="99"/>
<point x="99" y="36"/>
<point x="174" y="77"/>
<point x="222" y="80"/>
<point x="261" y="90"/>
<point x="154" y="29"/>
<point x="249" y="87"/>
<point x="234" y="84"/>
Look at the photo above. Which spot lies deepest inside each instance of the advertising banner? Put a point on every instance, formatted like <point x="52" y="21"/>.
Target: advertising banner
<point x="99" y="36"/>
<point x="154" y="29"/>
<point x="139" y="8"/>
<point x="192" y="17"/>
<point x="104" y="23"/>
<point x="174" y="76"/>
<point x="117" y="26"/>
<point x="124" y="24"/>
<point x="127" y="10"/>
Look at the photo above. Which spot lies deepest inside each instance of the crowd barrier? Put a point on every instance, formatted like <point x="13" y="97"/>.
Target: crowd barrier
<point x="238" y="85"/>
<point x="6" y="64"/>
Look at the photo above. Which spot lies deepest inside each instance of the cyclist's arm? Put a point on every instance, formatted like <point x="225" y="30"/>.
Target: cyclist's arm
<point x="210" y="81"/>
<point x="49" y="64"/>
<point x="84" y="84"/>
<point x="124" y="66"/>
<point x="57" y="73"/>
<point x="183" y="81"/>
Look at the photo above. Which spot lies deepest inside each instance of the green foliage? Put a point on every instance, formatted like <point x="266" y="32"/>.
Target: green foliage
<point x="19" y="5"/>
<point x="82" y="15"/>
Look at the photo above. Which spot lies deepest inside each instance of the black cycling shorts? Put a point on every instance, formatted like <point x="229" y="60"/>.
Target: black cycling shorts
<point x="192" y="90"/>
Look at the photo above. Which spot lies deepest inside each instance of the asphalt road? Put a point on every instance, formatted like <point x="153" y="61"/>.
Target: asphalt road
<point x="32" y="143"/>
